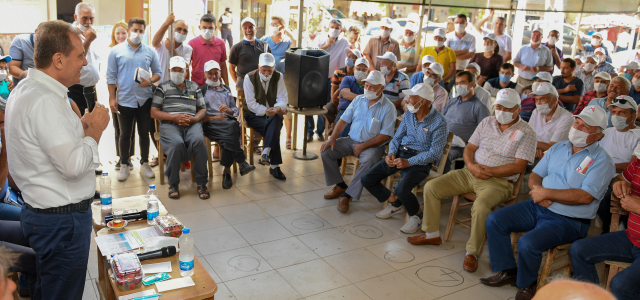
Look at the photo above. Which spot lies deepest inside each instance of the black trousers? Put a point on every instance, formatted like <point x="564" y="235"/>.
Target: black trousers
<point x="128" y="117"/>
<point x="227" y="134"/>
<point x="115" y="118"/>
<point x="226" y="35"/>
<point x="270" y="130"/>
<point x="84" y="97"/>
<point x="11" y="237"/>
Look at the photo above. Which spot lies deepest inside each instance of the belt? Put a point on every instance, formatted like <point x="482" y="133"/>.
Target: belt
<point x="410" y="150"/>
<point x="76" y="207"/>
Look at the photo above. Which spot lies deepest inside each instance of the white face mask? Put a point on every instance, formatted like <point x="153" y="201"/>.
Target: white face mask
<point x="3" y="75"/>
<point x="135" y="38"/>
<point x="595" y="41"/>
<point x="413" y="109"/>
<point x="578" y="138"/>
<point x="504" y="117"/>
<point x="207" y="34"/>
<point x="385" y="70"/>
<point x="543" y="108"/>
<point x="618" y="122"/>
<point x="250" y="40"/>
<point x="429" y="81"/>
<point x="601" y="58"/>
<point x="488" y="48"/>
<point x="460" y="28"/>
<point x="275" y="30"/>
<point x="334" y="33"/>
<point x="439" y="44"/>
<point x="552" y="40"/>
<point x="535" y="43"/>
<point x="213" y="83"/>
<point x="385" y="33"/>
<point x="177" y="78"/>
<point x="409" y="38"/>
<point x="461" y="90"/>
<point x="600" y="87"/>
<point x="179" y="37"/>
<point x="265" y="77"/>
<point x="360" y="75"/>
<point x="84" y="28"/>
<point x="636" y="82"/>
<point x="371" y="95"/>
<point x="589" y="67"/>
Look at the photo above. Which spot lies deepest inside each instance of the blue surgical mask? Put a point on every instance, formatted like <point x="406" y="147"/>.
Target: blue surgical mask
<point x="628" y="76"/>
<point x="524" y="96"/>
<point x="349" y="62"/>
<point x="504" y="78"/>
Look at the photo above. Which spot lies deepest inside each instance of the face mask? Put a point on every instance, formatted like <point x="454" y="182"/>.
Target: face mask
<point x="385" y="70"/>
<point x="250" y="40"/>
<point x="349" y="62"/>
<point x="371" y="95"/>
<point x="429" y="81"/>
<point x="504" y="78"/>
<point x="3" y="75"/>
<point x="600" y="87"/>
<point x="177" y="78"/>
<point x="628" y="76"/>
<point x="409" y="38"/>
<point x="360" y="75"/>
<point x="213" y="83"/>
<point x="135" y="38"/>
<point x="488" y="48"/>
<point x="264" y="77"/>
<point x="552" y="40"/>
<point x="83" y="28"/>
<point x="504" y="117"/>
<point x="524" y="96"/>
<point x="578" y="138"/>
<point x="543" y="108"/>
<point x="461" y="90"/>
<point x="207" y="34"/>
<point x="595" y="41"/>
<point x="460" y="28"/>
<point x="578" y="67"/>
<point x="179" y="37"/>
<point x="589" y="67"/>
<point x="334" y="33"/>
<point x="535" y="43"/>
<point x="275" y="30"/>
<point x="439" y="44"/>
<point x="413" y="109"/>
<point x="619" y="123"/>
<point x="601" y="58"/>
<point x="385" y="33"/>
<point x="636" y="82"/>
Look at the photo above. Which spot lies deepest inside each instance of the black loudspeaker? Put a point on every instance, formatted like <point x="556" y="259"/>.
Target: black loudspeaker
<point x="306" y="73"/>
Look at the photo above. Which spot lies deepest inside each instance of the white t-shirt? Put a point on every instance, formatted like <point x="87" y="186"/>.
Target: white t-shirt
<point x="619" y="144"/>
<point x="468" y="42"/>
<point x="226" y="19"/>
<point x="556" y="130"/>
<point x="504" y="41"/>
<point x="89" y="74"/>
<point x="336" y="51"/>
<point x="184" y="50"/>
<point x="624" y="39"/>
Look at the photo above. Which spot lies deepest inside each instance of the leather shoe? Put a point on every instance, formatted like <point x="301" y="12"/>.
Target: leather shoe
<point x="321" y="137"/>
<point x="227" y="183"/>
<point x="343" y="205"/>
<point x="264" y="160"/>
<point x="98" y="171"/>
<point x="423" y="240"/>
<point x="470" y="263"/>
<point x="309" y="136"/>
<point x="277" y="174"/>
<point x="499" y="279"/>
<point x="334" y="193"/>
<point x="527" y="293"/>
<point x="246" y="168"/>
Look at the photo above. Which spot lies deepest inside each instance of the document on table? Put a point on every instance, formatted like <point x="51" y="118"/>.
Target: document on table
<point x="139" y="294"/>
<point x="174" y="284"/>
<point x="125" y="241"/>
<point x="157" y="268"/>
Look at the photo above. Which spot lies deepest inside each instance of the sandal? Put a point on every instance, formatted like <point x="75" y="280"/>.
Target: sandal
<point x="174" y="190"/>
<point x="202" y="190"/>
<point x="288" y="144"/>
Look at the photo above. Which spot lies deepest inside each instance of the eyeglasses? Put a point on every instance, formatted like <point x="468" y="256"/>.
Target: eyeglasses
<point x="621" y="101"/>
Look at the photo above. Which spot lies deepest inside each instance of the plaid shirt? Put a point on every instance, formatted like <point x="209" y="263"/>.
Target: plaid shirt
<point x="428" y="137"/>
<point x="584" y="101"/>
<point x="497" y="148"/>
<point x="632" y="175"/>
<point x="338" y="75"/>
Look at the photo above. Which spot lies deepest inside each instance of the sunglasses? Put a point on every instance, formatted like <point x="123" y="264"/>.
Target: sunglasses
<point x="621" y="101"/>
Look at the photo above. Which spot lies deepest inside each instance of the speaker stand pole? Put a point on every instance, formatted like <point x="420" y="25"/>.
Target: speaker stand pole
<point x="304" y="155"/>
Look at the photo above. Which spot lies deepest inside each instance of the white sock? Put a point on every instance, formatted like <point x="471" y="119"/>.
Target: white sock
<point x="433" y="235"/>
<point x="471" y="254"/>
<point x="266" y="150"/>
<point x="274" y="166"/>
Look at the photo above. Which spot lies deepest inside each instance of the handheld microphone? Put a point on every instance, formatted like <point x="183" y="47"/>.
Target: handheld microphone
<point x="129" y="216"/>
<point x="162" y="252"/>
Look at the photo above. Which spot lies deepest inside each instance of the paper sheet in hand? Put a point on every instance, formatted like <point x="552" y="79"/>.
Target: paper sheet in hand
<point x="157" y="268"/>
<point x="125" y="241"/>
<point x="139" y="294"/>
<point x="141" y="73"/>
<point x="174" y="284"/>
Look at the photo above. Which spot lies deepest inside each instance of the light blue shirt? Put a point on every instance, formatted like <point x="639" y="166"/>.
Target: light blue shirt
<point x="122" y="64"/>
<point x="367" y="122"/>
<point x="607" y="68"/>
<point x="428" y="136"/>
<point x="540" y="57"/>
<point x="278" y="50"/>
<point x="22" y="50"/>
<point x="558" y="168"/>
<point x="602" y="103"/>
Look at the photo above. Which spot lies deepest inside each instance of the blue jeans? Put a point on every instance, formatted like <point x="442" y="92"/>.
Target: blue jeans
<point x="321" y="121"/>
<point x="9" y="212"/>
<point x="346" y="130"/>
<point x="545" y="230"/>
<point x="611" y="246"/>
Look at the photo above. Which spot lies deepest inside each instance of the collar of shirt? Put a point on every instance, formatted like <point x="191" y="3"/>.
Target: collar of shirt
<point x="591" y="148"/>
<point x="48" y="81"/>
<point x="248" y="43"/>
<point x="554" y="47"/>
<point x="388" y="40"/>
<point x="201" y="39"/>
<point x="33" y="44"/>
<point x="459" y="99"/>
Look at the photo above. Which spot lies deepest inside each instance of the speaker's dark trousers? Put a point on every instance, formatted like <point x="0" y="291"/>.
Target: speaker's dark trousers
<point x="227" y="134"/>
<point x="269" y="128"/>
<point x="84" y="97"/>
<point x="61" y="243"/>
<point x="128" y="117"/>
<point x="321" y="121"/>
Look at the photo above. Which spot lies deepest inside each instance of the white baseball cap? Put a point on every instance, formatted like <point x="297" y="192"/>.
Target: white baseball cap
<point x="422" y="90"/>
<point x="600" y="50"/>
<point x="594" y="116"/>
<point x="362" y="61"/>
<point x="436" y="68"/>
<point x="579" y="57"/>
<point x="440" y="32"/>
<point x="632" y="66"/>
<point x="248" y="19"/>
<point x="491" y="36"/>
<point x="603" y="75"/>
<point x="413" y="17"/>
<point x="428" y="59"/>
<point x="389" y="55"/>
<point x="538" y="30"/>
<point x="507" y="98"/>
<point x="177" y="61"/>
<point x="375" y="78"/>
<point x="411" y="26"/>
<point x="475" y="66"/>
<point x="266" y="59"/>
<point x="212" y="64"/>
<point x="545" y="88"/>
<point x="544" y="76"/>
<point x="598" y="34"/>
<point x="354" y="51"/>
<point x="624" y="101"/>
<point x="386" y="22"/>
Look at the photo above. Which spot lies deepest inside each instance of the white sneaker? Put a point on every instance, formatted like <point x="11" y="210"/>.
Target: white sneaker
<point x="145" y="170"/>
<point x="412" y="225"/>
<point x="389" y="211"/>
<point x="124" y="173"/>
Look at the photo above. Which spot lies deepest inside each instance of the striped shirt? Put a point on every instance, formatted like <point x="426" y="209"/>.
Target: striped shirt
<point x="174" y="100"/>
<point x="396" y="85"/>
<point x="497" y="148"/>
<point x="428" y="137"/>
<point x="632" y="175"/>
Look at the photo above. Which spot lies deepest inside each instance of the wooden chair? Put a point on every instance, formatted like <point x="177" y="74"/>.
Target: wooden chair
<point x="471" y="197"/>
<point x="549" y="258"/>
<point x="614" y="267"/>
<point x="13" y="276"/>
<point x="210" y="144"/>
<point x="161" y="158"/>
<point x="248" y="143"/>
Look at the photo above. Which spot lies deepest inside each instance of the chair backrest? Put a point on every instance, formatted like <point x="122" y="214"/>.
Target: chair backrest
<point x="516" y="186"/>
<point x="445" y="154"/>
<point x="616" y="212"/>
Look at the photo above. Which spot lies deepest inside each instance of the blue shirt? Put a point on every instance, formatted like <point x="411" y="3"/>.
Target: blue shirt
<point x="416" y="78"/>
<point x="495" y="83"/>
<point x="367" y="122"/>
<point x="349" y="82"/>
<point x="464" y="117"/>
<point x="590" y="50"/>
<point x="278" y="50"/>
<point x="22" y="50"/>
<point x="607" y="68"/>
<point x="121" y="66"/>
<point x="558" y="168"/>
<point x="602" y="102"/>
<point x="539" y="57"/>
<point x="635" y="95"/>
<point x="428" y="136"/>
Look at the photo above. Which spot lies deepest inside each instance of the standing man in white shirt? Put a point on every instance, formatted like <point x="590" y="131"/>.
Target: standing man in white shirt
<point x="532" y="58"/>
<point x="163" y="49"/>
<point x="462" y="43"/>
<point x="53" y="156"/>
<point x="499" y="25"/>
<point x="84" y="93"/>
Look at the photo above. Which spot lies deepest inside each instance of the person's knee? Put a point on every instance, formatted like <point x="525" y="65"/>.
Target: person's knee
<point x="528" y="245"/>
<point x="620" y="284"/>
<point x="575" y="252"/>
<point x="401" y="189"/>
<point x="478" y="210"/>
<point x="492" y="222"/>
<point x="367" y="180"/>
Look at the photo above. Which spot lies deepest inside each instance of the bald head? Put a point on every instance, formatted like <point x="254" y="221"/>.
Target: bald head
<point x="572" y="290"/>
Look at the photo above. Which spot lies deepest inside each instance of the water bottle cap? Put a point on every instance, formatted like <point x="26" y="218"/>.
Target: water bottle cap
<point x="105" y="173"/>
<point x="186" y="230"/>
<point x="152" y="186"/>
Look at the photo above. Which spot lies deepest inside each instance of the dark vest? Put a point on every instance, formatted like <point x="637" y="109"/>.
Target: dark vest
<point x="267" y="98"/>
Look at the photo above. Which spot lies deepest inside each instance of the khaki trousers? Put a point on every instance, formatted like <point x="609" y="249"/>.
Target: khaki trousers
<point x="523" y="81"/>
<point x="489" y="193"/>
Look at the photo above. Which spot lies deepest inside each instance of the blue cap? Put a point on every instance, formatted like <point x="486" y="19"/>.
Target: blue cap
<point x="186" y="230"/>
<point x="105" y="173"/>
<point x="152" y="186"/>
<point x="6" y="58"/>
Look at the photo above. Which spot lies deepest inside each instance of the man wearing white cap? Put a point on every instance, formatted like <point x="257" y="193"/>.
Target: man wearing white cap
<point x="566" y="187"/>
<point x="499" y="25"/>
<point x="373" y="119"/>
<point x="179" y="106"/>
<point x="497" y="153"/>
<point x="482" y="94"/>
<point x="395" y="81"/>
<point x="379" y="45"/>
<point x="620" y="140"/>
<point x="635" y="87"/>
<point x="418" y="77"/>
<point x="603" y="65"/>
<point x="532" y="58"/>
<point x="619" y="86"/>
<point x="596" y="43"/>
<point x="569" y="87"/>
<point x="462" y="43"/>
<point x="588" y="72"/>
<point x="220" y="123"/>
<point x="550" y="121"/>
<point x="244" y="56"/>
<point x="579" y="61"/>
<point x="266" y="104"/>
<point x="629" y="69"/>
<point x="433" y="78"/>
<point x="417" y="144"/>
<point x="599" y="88"/>
<point x="529" y="103"/>
<point x="350" y="88"/>
<point x="489" y="60"/>
<point x="443" y="55"/>
<point x="409" y="49"/>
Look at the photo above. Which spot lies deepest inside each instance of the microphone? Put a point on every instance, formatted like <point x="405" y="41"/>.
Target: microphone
<point x="162" y="252"/>
<point x="129" y="216"/>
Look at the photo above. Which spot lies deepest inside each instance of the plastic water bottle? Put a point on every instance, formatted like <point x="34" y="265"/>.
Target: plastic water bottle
<point x="152" y="205"/>
<point x="186" y="253"/>
<point x="105" y="196"/>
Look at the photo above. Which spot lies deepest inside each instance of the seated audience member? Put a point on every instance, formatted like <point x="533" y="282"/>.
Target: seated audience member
<point x="418" y="143"/>
<point x="266" y="103"/>
<point x="600" y="87"/>
<point x="179" y="106"/>
<point x="621" y="141"/>
<point x="395" y="81"/>
<point x="373" y="119"/>
<point x="529" y="103"/>
<point x="220" y="124"/>
<point x="630" y="69"/>
<point x="550" y="121"/>
<point x="489" y="60"/>
<point x="566" y="187"/>
<point x="333" y="107"/>
<point x="12" y="238"/>
<point x="623" y="245"/>
<point x="619" y="86"/>
<point x="418" y="77"/>
<point x="496" y="154"/>
<point x="603" y="65"/>
<point x="463" y="114"/>
<point x="503" y="81"/>
<point x="526" y="91"/>
<point x="635" y="89"/>
<point x="433" y="75"/>
<point x="6" y="85"/>
<point x="481" y="93"/>
<point x="350" y="88"/>
<point x="587" y="73"/>
<point x="579" y="59"/>
<point x="569" y="87"/>
<point x="564" y="289"/>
